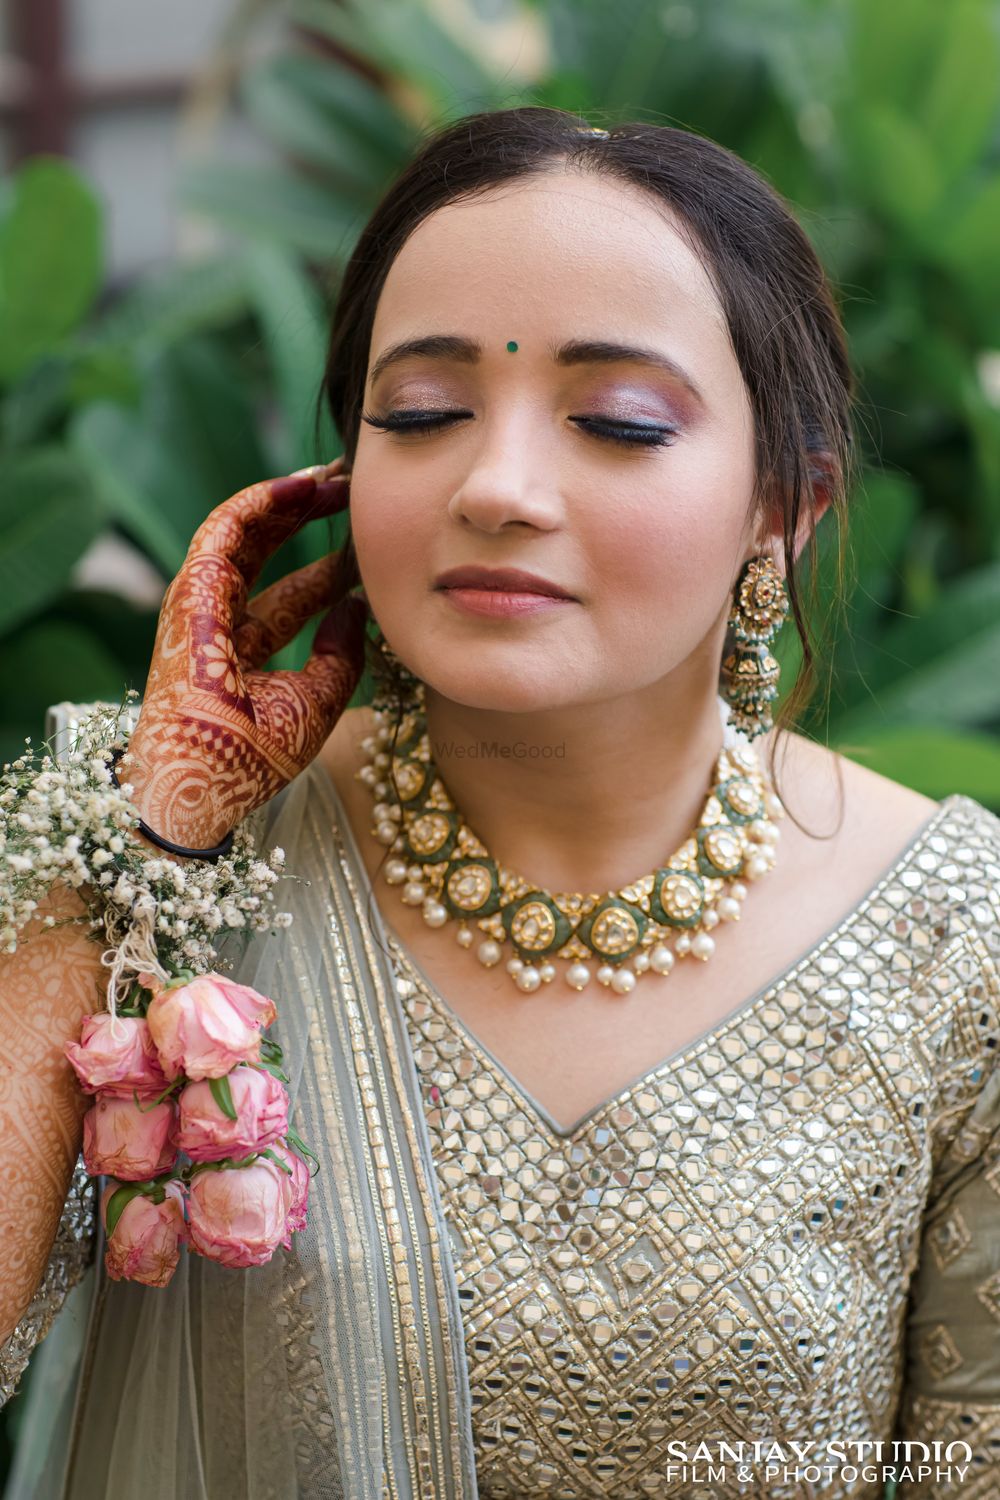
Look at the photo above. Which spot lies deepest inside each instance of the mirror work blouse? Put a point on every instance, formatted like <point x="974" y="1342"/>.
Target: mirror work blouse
<point x="788" y="1229"/>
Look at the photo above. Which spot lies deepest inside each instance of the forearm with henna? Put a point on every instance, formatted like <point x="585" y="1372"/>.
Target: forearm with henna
<point x="54" y="979"/>
<point x="218" y="736"/>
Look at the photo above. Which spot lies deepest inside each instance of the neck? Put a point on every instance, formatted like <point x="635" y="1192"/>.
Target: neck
<point x="587" y="797"/>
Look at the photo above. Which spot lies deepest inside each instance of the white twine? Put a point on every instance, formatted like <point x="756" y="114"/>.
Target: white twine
<point x="134" y="955"/>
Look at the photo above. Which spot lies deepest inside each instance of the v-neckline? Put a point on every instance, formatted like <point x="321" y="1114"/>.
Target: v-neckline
<point x="778" y="982"/>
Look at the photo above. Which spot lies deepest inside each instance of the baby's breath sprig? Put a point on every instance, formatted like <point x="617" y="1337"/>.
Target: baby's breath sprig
<point x="63" y="821"/>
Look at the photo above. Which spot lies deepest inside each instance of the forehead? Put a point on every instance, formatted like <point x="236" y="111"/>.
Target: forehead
<point x="558" y="252"/>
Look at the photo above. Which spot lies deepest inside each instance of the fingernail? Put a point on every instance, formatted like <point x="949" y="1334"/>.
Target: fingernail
<point x="292" y="487"/>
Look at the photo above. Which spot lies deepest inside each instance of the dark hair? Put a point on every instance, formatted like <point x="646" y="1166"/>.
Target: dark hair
<point x="783" y="322"/>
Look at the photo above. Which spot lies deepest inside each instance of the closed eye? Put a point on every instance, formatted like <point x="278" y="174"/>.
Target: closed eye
<point x="420" y="424"/>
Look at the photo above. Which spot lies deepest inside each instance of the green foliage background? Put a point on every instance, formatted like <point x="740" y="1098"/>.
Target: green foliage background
<point x="880" y="124"/>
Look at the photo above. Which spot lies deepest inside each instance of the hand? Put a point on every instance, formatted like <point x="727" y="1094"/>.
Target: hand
<point x="217" y="736"/>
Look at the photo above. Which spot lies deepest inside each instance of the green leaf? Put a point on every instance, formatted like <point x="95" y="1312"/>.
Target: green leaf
<point x="321" y="112"/>
<point x="292" y="316"/>
<point x="222" y="1094"/>
<point x="958" y="107"/>
<point x="49" y="515"/>
<point x="934" y="761"/>
<point x="194" y="443"/>
<point x="167" y="306"/>
<point x="942" y="666"/>
<point x="117" y="1204"/>
<point x="268" y="203"/>
<point x="49" y="659"/>
<point x="50" y="261"/>
<point x="968" y="241"/>
<point x="405" y="37"/>
<point x="894" y="166"/>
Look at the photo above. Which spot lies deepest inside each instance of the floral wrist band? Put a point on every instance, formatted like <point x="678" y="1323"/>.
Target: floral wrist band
<point x="165" y="1086"/>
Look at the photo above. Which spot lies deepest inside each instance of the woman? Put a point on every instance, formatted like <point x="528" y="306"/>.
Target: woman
<point x="747" y="1192"/>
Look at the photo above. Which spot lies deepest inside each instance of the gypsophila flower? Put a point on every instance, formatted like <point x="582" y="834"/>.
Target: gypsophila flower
<point x="66" y="823"/>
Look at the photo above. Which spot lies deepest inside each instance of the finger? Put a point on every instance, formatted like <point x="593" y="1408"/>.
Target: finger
<point x="278" y="613"/>
<point x="306" y="705"/>
<point x="248" y="527"/>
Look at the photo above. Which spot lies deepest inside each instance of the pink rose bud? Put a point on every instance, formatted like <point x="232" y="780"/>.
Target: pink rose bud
<point x="297" y="1187"/>
<point x="207" y="1134"/>
<point x="207" y="1026"/>
<point x="145" y="1243"/>
<point x="116" y="1054"/>
<point x="238" y="1215"/>
<point x="122" y="1140"/>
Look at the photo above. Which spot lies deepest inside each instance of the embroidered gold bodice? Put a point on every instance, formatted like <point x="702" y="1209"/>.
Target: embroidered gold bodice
<point x="726" y="1248"/>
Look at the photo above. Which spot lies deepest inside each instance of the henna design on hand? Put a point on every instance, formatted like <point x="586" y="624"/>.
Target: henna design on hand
<point x="217" y="734"/>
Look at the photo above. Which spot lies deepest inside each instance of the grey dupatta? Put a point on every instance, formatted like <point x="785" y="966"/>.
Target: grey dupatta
<point x="337" y="1369"/>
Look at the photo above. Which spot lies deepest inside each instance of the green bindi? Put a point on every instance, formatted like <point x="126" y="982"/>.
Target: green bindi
<point x="511" y="347"/>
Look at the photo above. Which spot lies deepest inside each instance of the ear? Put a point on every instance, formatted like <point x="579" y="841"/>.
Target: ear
<point x="770" y="531"/>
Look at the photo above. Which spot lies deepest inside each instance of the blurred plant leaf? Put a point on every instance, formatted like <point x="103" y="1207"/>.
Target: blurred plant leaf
<point x="268" y="204"/>
<point x="329" y="117"/>
<point x="49" y="515"/>
<point x="934" y="761"/>
<point x="50" y="261"/>
<point x="294" y="322"/>
<point x="194" y="442"/>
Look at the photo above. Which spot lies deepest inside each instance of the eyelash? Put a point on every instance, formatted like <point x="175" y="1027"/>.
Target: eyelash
<point x="418" y="424"/>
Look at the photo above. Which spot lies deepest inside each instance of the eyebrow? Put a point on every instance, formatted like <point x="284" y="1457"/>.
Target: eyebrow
<point x="575" y="352"/>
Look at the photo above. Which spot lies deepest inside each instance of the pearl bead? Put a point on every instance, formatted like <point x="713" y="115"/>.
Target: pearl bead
<point x="755" y="867"/>
<point x="515" y="965"/>
<point x="382" y="760"/>
<point x="711" y="918"/>
<point x="385" y="833"/>
<point x="683" y="943"/>
<point x="772" y="834"/>
<point x="774" y="805"/>
<point x="381" y="787"/>
<point x="395" y="871"/>
<point x="738" y="891"/>
<point x="464" y="936"/>
<point x="605" y="974"/>
<point x="368" y="775"/>
<point x="547" y="972"/>
<point x="415" y="872"/>
<point x="413" y="894"/>
<point x="398" y="844"/>
<point x="489" y="953"/>
<point x="640" y="963"/>
<point x="702" y="946"/>
<point x="368" y="744"/>
<point x="577" y="976"/>
<point x="528" y="978"/>
<point x="661" y="959"/>
<point x="728" y="909"/>
<point x="435" y="915"/>
<point x="623" y="981"/>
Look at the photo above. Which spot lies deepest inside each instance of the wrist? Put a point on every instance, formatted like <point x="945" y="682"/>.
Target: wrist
<point x="191" y="828"/>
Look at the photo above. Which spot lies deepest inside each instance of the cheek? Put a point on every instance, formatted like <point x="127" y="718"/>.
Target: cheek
<point x="666" y="551"/>
<point x="391" y="539"/>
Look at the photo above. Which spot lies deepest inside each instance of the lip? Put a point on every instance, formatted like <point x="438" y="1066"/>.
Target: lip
<point x="499" y="604"/>
<point x="508" y="581"/>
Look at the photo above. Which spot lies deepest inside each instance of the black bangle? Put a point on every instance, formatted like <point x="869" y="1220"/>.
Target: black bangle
<point x="210" y="855"/>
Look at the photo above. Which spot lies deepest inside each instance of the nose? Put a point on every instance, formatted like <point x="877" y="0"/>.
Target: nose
<point x="497" y="496"/>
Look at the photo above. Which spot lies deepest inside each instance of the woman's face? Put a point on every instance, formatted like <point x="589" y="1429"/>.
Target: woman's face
<point x="648" y="540"/>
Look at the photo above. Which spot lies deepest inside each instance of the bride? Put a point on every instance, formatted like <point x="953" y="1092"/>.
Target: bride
<point x="718" y="1164"/>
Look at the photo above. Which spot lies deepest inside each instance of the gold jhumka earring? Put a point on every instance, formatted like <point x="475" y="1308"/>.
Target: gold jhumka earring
<point x="749" y="675"/>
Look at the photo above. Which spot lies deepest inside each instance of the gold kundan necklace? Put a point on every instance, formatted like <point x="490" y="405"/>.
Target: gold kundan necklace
<point x="441" y="866"/>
